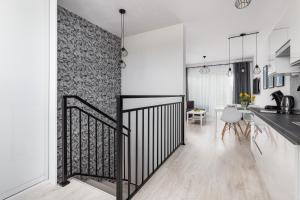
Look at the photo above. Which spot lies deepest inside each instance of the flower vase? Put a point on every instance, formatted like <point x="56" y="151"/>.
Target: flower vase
<point x="244" y="105"/>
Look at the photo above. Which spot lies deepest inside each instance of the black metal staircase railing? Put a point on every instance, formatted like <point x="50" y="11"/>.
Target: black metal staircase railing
<point x="88" y="140"/>
<point x="155" y="133"/>
<point x="127" y="151"/>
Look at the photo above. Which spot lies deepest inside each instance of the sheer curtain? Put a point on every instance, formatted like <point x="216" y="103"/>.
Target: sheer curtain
<point x="210" y="90"/>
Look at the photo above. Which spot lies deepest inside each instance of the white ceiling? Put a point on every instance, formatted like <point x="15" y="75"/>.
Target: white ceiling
<point x="208" y="22"/>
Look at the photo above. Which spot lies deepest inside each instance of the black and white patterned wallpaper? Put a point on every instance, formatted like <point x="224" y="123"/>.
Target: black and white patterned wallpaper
<point x="88" y="67"/>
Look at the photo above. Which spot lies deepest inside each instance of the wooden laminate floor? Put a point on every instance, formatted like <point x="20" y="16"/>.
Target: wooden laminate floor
<point x="206" y="168"/>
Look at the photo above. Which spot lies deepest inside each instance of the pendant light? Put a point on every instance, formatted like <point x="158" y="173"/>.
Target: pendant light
<point x="240" y="4"/>
<point x="229" y="72"/>
<point x="256" y="69"/>
<point x="124" y="52"/>
<point x="204" y="69"/>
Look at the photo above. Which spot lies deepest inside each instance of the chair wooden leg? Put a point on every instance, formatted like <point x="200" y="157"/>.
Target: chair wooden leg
<point x="247" y="129"/>
<point x="236" y="132"/>
<point x="240" y="128"/>
<point x="224" y="129"/>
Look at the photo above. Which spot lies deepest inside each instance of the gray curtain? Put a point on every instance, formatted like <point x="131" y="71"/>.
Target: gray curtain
<point x="241" y="82"/>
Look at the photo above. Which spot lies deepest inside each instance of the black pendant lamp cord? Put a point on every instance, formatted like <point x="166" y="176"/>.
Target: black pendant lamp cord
<point x="229" y="53"/>
<point x="242" y="48"/>
<point x="256" y="50"/>
<point x="122" y="30"/>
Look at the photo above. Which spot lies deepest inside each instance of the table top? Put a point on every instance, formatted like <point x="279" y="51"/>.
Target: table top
<point x="196" y="112"/>
<point x="242" y="110"/>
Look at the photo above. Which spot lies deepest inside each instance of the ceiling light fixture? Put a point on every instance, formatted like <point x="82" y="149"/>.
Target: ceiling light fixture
<point x="124" y="52"/>
<point x="256" y="69"/>
<point x="204" y="69"/>
<point x="240" y="4"/>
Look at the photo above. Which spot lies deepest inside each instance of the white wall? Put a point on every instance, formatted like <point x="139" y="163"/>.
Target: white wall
<point x="155" y="64"/>
<point x="24" y="88"/>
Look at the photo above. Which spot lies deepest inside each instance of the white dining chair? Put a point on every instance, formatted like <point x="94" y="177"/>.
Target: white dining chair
<point x="231" y="116"/>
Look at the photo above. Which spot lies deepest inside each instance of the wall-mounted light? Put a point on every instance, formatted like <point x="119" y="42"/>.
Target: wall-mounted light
<point x="124" y="52"/>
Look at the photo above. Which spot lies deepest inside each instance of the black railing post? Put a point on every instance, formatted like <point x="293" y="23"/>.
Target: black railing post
<point x="119" y="167"/>
<point x="182" y="121"/>
<point x="64" y="142"/>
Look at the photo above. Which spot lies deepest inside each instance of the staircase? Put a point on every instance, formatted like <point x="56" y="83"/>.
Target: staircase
<point x="116" y="158"/>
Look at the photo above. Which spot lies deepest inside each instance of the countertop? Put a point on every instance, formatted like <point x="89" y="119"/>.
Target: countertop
<point x="281" y="123"/>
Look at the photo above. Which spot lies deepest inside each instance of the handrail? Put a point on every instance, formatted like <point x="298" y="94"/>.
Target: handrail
<point x="92" y="107"/>
<point x="146" y="107"/>
<point x="87" y="113"/>
<point x="148" y="96"/>
<point x="89" y="105"/>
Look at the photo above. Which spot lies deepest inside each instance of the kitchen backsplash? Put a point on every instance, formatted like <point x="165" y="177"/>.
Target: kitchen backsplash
<point x="295" y="82"/>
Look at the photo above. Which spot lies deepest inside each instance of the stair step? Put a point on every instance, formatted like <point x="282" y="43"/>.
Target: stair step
<point x="109" y="187"/>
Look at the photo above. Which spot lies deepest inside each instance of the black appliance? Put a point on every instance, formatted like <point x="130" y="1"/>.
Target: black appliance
<point x="287" y="104"/>
<point x="277" y="96"/>
<point x="256" y="86"/>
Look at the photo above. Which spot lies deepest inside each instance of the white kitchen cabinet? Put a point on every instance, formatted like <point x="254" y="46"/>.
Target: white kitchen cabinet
<point x="295" y="32"/>
<point x="277" y="38"/>
<point x="277" y="161"/>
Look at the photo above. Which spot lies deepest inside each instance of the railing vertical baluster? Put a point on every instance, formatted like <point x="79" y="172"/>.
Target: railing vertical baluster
<point x="161" y="133"/>
<point x="103" y="157"/>
<point x="71" y="144"/>
<point x="80" y="144"/>
<point x="119" y="188"/>
<point x="109" y="149"/>
<point x="178" y="123"/>
<point x="124" y="156"/>
<point x="175" y="116"/>
<point x="153" y="130"/>
<point x="165" y="132"/>
<point x="157" y="137"/>
<point x="143" y="145"/>
<point x="182" y="120"/>
<point x="114" y="153"/>
<point x="136" y="147"/>
<point x="89" y="159"/>
<point x="129" y="155"/>
<point x="168" y="131"/>
<point x="148" y="146"/>
<point x="178" y="116"/>
<point x="96" y="146"/>
<point x="172" y="128"/>
<point x="173" y="120"/>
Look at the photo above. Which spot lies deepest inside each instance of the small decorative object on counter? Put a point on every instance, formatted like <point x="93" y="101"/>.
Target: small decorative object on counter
<point x="246" y="99"/>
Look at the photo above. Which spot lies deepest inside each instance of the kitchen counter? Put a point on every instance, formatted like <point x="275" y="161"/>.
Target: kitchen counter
<point x="281" y="123"/>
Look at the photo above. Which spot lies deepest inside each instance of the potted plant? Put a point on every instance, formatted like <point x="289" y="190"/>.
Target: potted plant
<point x="246" y="99"/>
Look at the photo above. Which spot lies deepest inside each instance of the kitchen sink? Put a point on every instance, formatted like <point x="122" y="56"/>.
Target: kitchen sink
<point x="297" y="123"/>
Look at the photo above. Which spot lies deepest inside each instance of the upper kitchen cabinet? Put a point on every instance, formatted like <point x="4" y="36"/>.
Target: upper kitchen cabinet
<point x="295" y="33"/>
<point x="277" y="38"/>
